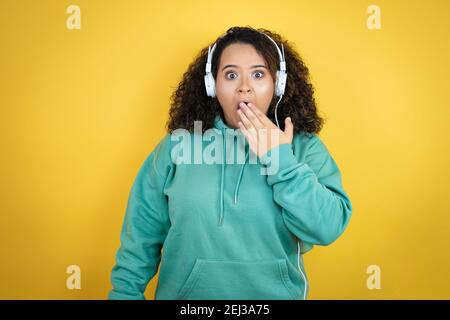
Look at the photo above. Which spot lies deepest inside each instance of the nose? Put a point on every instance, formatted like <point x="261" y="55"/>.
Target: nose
<point x="244" y="90"/>
<point x="244" y="86"/>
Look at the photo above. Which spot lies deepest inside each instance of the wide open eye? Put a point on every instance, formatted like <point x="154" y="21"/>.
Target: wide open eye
<point x="234" y="76"/>
<point x="259" y="74"/>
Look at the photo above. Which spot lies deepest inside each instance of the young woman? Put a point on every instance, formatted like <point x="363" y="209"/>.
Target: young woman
<point x="217" y="223"/>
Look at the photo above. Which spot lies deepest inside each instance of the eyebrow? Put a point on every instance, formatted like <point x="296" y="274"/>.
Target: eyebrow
<point x="235" y="66"/>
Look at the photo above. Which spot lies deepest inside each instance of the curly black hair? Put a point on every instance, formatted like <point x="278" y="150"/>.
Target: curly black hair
<point x="189" y="101"/>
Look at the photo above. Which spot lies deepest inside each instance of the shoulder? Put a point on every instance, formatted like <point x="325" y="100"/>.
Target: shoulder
<point x="159" y="158"/>
<point x="162" y="148"/>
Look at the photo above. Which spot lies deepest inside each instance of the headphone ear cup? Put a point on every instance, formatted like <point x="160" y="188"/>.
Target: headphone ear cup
<point x="210" y="85"/>
<point x="281" y="82"/>
<point x="277" y="84"/>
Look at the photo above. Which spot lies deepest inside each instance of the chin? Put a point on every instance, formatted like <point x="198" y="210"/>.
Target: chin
<point x="232" y="121"/>
<point x="234" y="125"/>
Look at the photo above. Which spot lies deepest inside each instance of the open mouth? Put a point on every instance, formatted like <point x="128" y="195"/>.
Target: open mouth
<point x="238" y="105"/>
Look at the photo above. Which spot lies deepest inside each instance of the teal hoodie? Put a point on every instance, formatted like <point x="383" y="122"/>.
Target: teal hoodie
<point x="224" y="230"/>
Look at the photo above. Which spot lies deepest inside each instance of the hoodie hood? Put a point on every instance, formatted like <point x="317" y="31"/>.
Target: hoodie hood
<point x="225" y="129"/>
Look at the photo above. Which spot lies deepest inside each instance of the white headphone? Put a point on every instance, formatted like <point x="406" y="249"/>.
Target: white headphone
<point x="281" y="77"/>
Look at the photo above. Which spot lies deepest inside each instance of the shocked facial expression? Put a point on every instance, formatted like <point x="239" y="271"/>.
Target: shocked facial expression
<point x="242" y="76"/>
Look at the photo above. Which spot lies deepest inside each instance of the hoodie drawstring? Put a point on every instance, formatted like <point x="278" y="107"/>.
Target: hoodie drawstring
<point x="238" y="183"/>
<point x="221" y="183"/>
<point x="222" y="179"/>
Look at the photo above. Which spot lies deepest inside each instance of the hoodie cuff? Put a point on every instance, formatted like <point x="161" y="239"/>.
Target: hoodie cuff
<point x="283" y="153"/>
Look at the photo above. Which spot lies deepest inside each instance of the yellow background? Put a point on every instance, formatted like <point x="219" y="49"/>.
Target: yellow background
<point x="81" y="110"/>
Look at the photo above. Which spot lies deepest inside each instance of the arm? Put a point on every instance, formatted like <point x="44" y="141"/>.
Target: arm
<point x="315" y="207"/>
<point x="144" y="228"/>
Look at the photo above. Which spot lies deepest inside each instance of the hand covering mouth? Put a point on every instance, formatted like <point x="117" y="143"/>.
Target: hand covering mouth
<point x="246" y="102"/>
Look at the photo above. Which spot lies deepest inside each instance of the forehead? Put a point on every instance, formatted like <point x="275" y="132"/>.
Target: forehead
<point x="241" y="54"/>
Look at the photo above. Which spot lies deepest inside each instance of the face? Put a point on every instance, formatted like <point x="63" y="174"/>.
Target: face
<point x="242" y="75"/>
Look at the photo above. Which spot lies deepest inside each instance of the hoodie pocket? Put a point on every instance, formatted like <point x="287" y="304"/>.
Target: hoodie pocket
<point x="239" y="280"/>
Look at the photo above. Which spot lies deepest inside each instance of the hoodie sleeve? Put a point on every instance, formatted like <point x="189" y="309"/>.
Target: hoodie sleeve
<point x="315" y="207"/>
<point x="145" y="227"/>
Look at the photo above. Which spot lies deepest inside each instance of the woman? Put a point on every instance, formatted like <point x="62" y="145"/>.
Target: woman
<point x="233" y="228"/>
